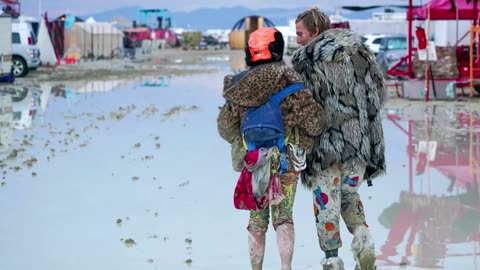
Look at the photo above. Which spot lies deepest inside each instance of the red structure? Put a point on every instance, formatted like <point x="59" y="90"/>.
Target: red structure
<point x="151" y="24"/>
<point x="441" y="10"/>
<point x="10" y="7"/>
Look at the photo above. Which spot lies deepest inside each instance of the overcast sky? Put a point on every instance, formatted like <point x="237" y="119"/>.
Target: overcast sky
<point x="81" y="7"/>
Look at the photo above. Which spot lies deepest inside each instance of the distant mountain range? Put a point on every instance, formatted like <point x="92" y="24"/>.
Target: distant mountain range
<point x="216" y="18"/>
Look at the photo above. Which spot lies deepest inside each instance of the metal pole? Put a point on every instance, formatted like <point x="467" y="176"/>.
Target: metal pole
<point x="91" y="42"/>
<point x="103" y="40"/>
<point x="456" y="8"/>
<point x="410" y="11"/>
<point x="410" y="158"/>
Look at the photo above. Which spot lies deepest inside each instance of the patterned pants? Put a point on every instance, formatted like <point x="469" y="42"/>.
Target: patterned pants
<point x="282" y="212"/>
<point x="335" y="193"/>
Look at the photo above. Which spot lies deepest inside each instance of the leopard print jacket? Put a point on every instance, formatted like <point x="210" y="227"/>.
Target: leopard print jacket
<point x="253" y="88"/>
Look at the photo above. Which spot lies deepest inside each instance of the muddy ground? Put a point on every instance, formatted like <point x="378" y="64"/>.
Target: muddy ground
<point x="178" y="62"/>
<point x="159" y="63"/>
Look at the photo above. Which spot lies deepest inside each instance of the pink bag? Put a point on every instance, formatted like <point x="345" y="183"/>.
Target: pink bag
<point x="243" y="196"/>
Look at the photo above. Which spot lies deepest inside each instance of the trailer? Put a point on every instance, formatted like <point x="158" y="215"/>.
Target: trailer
<point x="6" y="48"/>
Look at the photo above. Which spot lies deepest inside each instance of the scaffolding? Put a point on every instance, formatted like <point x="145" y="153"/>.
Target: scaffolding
<point x="474" y="147"/>
<point x="474" y="31"/>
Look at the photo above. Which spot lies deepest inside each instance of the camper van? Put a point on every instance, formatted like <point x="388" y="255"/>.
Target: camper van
<point x="5" y="48"/>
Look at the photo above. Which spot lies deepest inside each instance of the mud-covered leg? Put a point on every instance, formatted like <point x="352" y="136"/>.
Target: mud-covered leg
<point x="353" y="214"/>
<point x="257" y="229"/>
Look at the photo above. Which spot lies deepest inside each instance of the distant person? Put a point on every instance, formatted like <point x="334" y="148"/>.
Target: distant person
<point x="345" y="79"/>
<point x="267" y="75"/>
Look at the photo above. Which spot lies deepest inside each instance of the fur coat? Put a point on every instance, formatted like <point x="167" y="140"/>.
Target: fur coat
<point x="254" y="87"/>
<point x="346" y="80"/>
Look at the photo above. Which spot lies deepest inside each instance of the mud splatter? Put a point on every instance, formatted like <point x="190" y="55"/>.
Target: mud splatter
<point x="177" y="110"/>
<point x="129" y="242"/>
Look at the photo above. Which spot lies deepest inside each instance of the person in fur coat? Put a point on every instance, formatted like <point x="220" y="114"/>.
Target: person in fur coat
<point x="345" y="79"/>
<point x="268" y="74"/>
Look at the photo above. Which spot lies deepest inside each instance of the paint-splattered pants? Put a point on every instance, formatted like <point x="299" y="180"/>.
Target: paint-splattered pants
<point x="282" y="212"/>
<point x="335" y="194"/>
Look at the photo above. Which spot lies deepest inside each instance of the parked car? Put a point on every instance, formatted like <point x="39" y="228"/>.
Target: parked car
<point x="392" y="49"/>
<point x="25" y="107"/>
<point x="211" y="40"/>
<point x="373" y="41"/>
<point x="25" y="52"/>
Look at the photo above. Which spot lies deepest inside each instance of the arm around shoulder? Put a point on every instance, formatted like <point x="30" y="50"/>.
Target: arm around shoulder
<point x="312" y="115"/>
<point x="228" y="124"/>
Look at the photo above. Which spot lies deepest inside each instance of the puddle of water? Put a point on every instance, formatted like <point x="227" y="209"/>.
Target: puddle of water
<point x="434" y="220"/>
<point x="118" y="148"/>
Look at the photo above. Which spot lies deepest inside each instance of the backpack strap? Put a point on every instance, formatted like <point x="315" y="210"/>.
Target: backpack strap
<point x="292" y="88"/>
<point x="277" y="98"/>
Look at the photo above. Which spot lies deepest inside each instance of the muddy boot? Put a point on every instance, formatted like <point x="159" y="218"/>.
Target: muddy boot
<point x="363" y="249"/>
<point x="256" y="245"/>
<point x="332" y="263"/>
<point x="285" y="242"/>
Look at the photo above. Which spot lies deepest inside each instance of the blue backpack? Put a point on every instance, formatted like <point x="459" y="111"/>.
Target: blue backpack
<point x="263" y="125"/>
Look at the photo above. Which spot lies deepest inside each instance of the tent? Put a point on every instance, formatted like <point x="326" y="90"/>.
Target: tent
<point x="443" y="10"/>
<point x="92" y="40"/>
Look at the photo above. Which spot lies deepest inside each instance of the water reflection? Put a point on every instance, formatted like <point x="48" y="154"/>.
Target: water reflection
<point x="6" y="129"/>
<point x="438" y="219"/>
<point x="19" y="107"/>
<point x="163" y="81"/>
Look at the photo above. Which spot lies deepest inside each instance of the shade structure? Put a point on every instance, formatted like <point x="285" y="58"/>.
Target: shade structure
<point x="443" y="10"/>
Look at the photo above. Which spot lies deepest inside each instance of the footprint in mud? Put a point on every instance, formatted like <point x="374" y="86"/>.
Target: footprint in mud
<point x="188" y="242"/>
<point x="129" y="242"/>
<point x="149" y="111"/>
<point x="148" y="157"/>
<point x="184" y="184"/>
<point x="177" y="110"/>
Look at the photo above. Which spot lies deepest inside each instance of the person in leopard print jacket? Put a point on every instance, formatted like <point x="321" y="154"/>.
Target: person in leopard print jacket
<point x="267" y="75"/>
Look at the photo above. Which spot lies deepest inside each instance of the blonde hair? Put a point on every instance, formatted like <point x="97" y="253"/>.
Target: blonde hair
<point x="314" y="20"/>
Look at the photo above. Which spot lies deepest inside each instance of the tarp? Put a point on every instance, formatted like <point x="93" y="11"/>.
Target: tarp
<point x="47" y="53"/>
<point x="442" y="10"/>
<point x="98" y="39"/>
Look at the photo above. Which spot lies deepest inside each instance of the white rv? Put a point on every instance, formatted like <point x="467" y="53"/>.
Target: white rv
<point x="5" y="45"/>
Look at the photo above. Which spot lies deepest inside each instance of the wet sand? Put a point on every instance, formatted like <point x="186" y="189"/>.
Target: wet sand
<point x="159" y="63"/>
<point x="116" y="174"/>
<point x="177" y="62"/>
